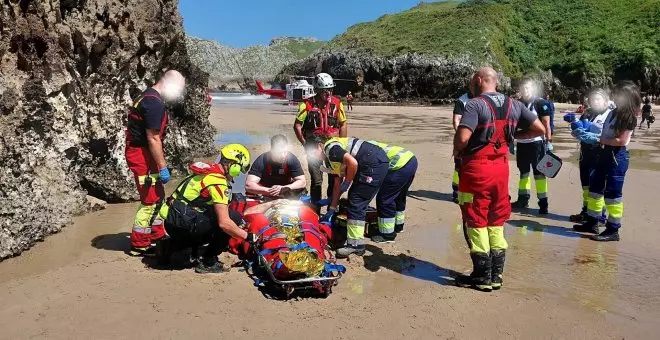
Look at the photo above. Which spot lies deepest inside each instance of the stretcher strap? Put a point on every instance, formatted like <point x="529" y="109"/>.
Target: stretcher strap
<point x="333" y="267"/>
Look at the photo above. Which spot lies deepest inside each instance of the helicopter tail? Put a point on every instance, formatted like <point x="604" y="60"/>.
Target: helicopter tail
<point x="260" y="87"/>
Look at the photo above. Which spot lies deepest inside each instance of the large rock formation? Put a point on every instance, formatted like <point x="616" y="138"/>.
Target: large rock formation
<point x="69" y="71"/>
<point x="410" y="77"/>
<point x="231" y="68"/>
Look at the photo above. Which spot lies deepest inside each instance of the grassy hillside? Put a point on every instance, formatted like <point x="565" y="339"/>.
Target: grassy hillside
<point x="595" y="39"/>
<point x="299" y="47"/>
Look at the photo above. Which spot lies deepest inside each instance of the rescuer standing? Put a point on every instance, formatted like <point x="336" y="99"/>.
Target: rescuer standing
<point x="145" y="131"/>
<point x="321" y="116"/>
<point x="481" y="141"/>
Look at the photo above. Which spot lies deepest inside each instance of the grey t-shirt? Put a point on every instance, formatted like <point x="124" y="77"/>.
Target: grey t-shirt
<point x="478" y="114"/>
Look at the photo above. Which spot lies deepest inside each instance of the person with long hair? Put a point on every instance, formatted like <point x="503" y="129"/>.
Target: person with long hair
<point x="606" y="183"/>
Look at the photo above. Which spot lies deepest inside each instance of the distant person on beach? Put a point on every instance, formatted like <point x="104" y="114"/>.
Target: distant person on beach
<point x="606" y="183"/>
<point x="145" y="132"/>
<point x="322" y="115"/>
<point x="647" y="112"/>
<point x="349" y="101"/>
<point x="459" y="108"/>
<point x="584" y="106"/>
<point x="551" y="109"/>
<point x="481" y="141"/>
<point x="276" y="173"/>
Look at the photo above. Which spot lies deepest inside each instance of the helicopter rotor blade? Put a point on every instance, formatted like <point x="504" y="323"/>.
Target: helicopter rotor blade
<point x="308" y="77"/>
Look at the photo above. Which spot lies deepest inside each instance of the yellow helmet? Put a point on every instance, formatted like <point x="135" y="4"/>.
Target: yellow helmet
<point x="238" y="154"/>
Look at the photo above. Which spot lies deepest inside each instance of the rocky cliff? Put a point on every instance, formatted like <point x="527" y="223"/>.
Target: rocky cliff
<point x="228" y="66"/>
<point x="69" y="71"/>
<point x="410" y="77"/>
<point x="568" y="45"/>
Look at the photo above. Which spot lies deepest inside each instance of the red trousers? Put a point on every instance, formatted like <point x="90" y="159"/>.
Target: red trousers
<point x="146" y="228"/>
<point x="483" y="194"/>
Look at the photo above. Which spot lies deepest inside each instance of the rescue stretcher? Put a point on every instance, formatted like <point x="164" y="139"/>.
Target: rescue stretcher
<point x="323" y="284"/>
<point x="292" y="253"/>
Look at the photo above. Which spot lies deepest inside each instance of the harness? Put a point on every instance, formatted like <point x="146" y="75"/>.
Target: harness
<point x="533" y="108"/>
<point x="322" y="121"/>
<point x="200" y="203"/>
<point x="136" y="130"/>
<point x="269" y="166"/>
<point x="270" y="179"/>
<point x="499" y="132"/>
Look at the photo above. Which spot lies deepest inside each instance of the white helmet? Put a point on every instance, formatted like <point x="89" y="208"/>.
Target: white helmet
<point x="323" y="81"/>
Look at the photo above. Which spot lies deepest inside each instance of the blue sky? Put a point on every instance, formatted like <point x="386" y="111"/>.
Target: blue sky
<point x="250" y="22"/>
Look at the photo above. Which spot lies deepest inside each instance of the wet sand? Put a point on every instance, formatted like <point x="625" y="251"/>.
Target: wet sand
<point x="80" y="284"/>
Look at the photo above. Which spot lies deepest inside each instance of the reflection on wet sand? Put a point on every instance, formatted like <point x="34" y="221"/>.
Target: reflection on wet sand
<point x="571" y="282"/>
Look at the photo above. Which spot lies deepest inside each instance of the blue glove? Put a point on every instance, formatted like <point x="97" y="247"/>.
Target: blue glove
<point x="324" y="202"/>
<point x="549" y="147"/>
<point x="344" y="186"/>
<point x="569" y="117"/>
<point x="327" y="218"/>
<point x="164" y="175"/>
<point x="586" y="124"/>
<point x="577" y="125"/>
<point x="512" y="148"/>
<point x="576" y="133"/>
<point x="588" y="137"/>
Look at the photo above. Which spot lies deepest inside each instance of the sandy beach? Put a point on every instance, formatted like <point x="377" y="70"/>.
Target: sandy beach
<point x="558" y="284"/>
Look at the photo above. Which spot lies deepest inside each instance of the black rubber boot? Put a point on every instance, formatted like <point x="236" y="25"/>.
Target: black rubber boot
<point x="521" y="203"/>
<point x="347" y="250"/>
<point x="384" y="238"/>
<point x="454" y="197"/>
<point x="480" y="278"/>
<point x="211" y="266"/>
<point x="497" y="258"/>
<point x="579" y="218"/>
<point x="149" y="251"/>
<point x="589" y="226"/>
<point x="398" y="228"/>
<point x="164" y="250"/>
<point x="610" y="234"/>
<point x="602" y="220"/>
<point x="543" y="206"/>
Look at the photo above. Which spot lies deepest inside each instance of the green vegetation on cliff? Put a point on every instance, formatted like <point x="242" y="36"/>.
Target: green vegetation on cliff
<point x="299" y="47"/>
<point x="592" y="41"/>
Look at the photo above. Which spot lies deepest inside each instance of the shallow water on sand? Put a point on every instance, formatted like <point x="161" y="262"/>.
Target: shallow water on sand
<point x="546" y="260"/>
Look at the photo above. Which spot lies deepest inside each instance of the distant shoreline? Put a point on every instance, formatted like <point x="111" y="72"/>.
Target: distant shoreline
<point x="411" y="103"/>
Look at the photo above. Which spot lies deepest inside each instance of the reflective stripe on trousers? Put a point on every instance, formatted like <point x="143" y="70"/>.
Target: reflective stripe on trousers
<point x="400" y="217"/>
<point x="386" y="225"/>
<point x="143" y="234"/>
<point x="355" y="232"/>
<point x="541" y="183"/>
<point x="454" y="181"/>
<point x="524" y="186"/>
<point x="483" y="240"/>
<point x="606" y="185"/>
